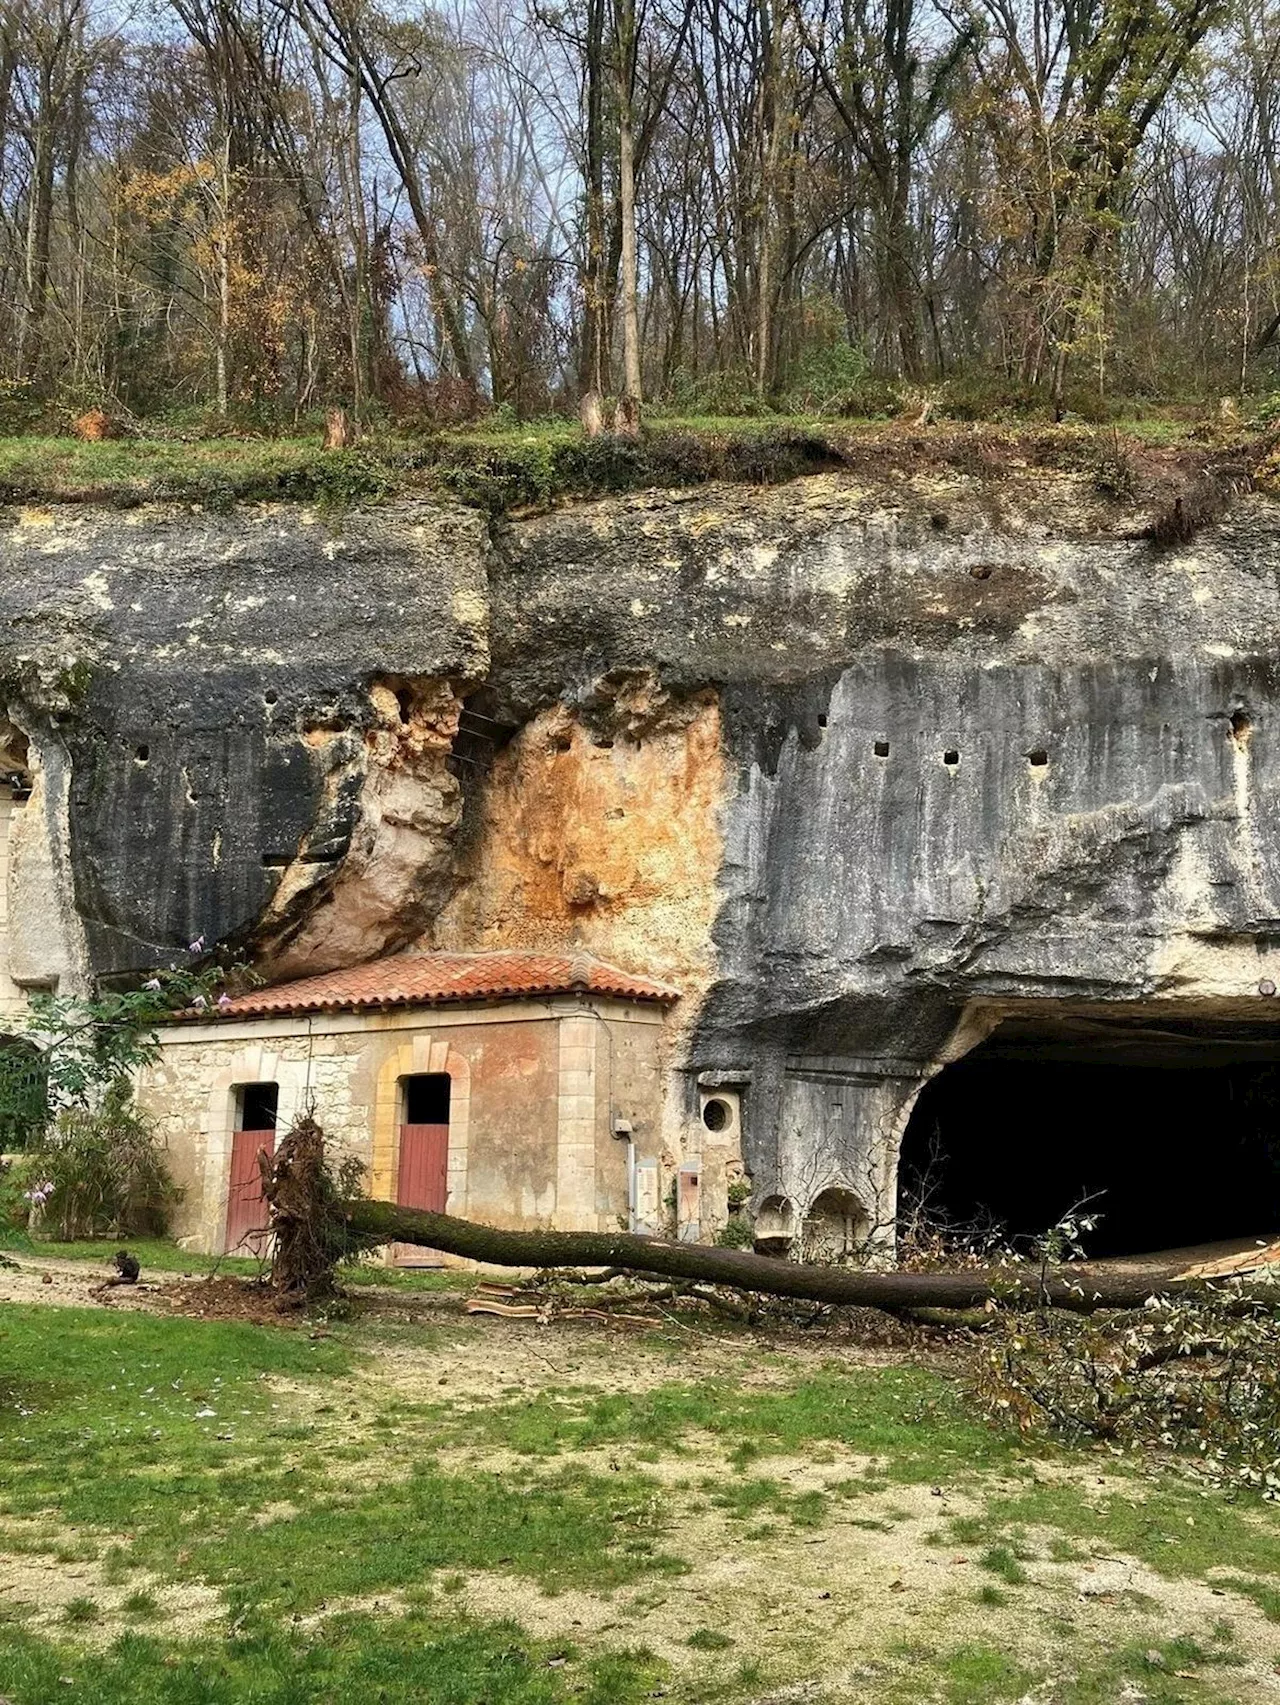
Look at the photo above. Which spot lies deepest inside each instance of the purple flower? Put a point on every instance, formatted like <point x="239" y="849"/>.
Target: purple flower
<point x="152" y="983"/>
<point x="200" y="1001"/>
<point x="196" y="946"/>
<point x="224" y="999"/>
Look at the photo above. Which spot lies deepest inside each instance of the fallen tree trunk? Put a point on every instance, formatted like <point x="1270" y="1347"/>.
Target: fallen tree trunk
<point x="1083" y="1289"/>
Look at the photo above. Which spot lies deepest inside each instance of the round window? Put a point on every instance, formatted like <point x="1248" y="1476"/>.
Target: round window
<point x="717" y="1115"/>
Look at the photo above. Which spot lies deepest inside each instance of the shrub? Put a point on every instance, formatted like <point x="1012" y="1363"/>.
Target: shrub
<point x="731" y="391"/>
<point x="986" y="396"/>
<point x="100" y="1172"/>
<point x="1114" y="474"/>
<point x="21" y="407"/>
<point x="827" y="373"/>
<point x="738" y="1234"/>
<point x="24" y="1093"/>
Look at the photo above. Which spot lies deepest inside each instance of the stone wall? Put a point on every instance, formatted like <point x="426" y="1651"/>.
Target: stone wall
<point x="534" y="1099"/>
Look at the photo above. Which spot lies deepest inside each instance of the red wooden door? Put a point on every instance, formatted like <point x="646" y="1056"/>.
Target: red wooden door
<point x="423" y="1179"/>
<point x="247" y="1211"/>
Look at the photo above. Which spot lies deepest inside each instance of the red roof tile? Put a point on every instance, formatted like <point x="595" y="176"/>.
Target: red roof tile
<point x="434" y="979"/>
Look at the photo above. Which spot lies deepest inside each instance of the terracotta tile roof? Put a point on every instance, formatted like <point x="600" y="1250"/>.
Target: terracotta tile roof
<point x="434" y="979"/>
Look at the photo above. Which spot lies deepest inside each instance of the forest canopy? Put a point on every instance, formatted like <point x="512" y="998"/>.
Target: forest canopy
<point x="264" y="207"/>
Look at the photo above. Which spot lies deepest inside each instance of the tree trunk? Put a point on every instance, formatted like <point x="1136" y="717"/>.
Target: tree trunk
<point x="222" y="351"/>
<point x="625" y="48"/>
<point x="39" y="234"/>
<point x="1083" y="1290"/>
<point x="592" y="365"/>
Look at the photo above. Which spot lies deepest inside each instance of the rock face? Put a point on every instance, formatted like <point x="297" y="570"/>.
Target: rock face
<point x="975" y="759"/>
<point x="863" y="767"/>
<point x="207" y="684"/>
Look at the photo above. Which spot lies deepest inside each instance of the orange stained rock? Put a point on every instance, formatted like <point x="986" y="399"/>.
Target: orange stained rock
<point x="612" y="841"/>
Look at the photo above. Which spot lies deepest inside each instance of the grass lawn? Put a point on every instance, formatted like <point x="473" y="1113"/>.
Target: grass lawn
<point x="435" y="1507"/>
<point x="158" y="1255"/>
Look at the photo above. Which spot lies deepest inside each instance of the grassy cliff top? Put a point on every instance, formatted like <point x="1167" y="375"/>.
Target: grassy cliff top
<point x="534" y="465"/>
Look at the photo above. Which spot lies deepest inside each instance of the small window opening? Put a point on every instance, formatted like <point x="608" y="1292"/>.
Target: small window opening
<point x="881" y="748"/>
<point x="822" y="721"/>
<point x="404" y="698"/>
<point x="142" y="755"/>
<point x="426" y="1098"/>
<point x="271" y="696"/>
<point x="1038" y="758"/>
<point x="951" y="757"/>
<point x="257" y="1106"/>
<point x="980" y="571"/>
<point x="717" y="1115"/>
<point x="1241" y="726"/>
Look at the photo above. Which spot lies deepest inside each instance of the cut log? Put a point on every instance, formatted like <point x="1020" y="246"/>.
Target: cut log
<point x="1082" y="1288"/>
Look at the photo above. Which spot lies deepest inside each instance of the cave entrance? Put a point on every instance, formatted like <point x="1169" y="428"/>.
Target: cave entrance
<point x="1170" y="1126"/>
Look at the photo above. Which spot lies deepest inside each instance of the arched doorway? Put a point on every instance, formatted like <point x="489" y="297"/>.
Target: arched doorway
<point x="836" y="1228"/>
<point x="775" y="1227"/>
<point x="1168" y="1127"/>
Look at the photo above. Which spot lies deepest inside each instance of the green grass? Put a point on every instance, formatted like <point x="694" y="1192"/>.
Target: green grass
<point x="912" y="1422"/>
<point x="750" y="1499"/>
<point x="410" y="1660"/>
<point x="168" y="1434"/>
<point x="135" y="1423"/>
<point x="157" y="1254"/>
<point x="1159" y="1672"/>
<point x="161" y="1255"/>
<point x="975" y="1674"/>
<point x="1166" y="1521"/>
<point x="1265" y="1594"/>
<point x="441" y="1280"/>
<point x="166" y="1430"/>
<point x="709" y="1640"/>
<point x="214" y="471"/>
<point x="1000" y="1560"/>
<point x="572" y="1530"/>
<point x="148" y="1450"/>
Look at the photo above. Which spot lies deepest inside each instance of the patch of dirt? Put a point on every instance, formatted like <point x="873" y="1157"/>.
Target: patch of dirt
<point x="37" y="1585"/>
<point x="844" y="1599"/>
<point x="228" y="1298"/>
<point x="72" y="1284"/>
<point x="880" y="1574"/>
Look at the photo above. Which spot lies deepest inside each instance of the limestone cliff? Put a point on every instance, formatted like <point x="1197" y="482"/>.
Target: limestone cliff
<point x="853" y="760"/>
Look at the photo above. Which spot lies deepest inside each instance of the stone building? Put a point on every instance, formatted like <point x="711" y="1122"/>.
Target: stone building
<point x="520" y="1089"/>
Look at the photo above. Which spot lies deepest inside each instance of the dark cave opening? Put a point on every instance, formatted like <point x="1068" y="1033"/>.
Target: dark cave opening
<point x="1172" y="1133"/>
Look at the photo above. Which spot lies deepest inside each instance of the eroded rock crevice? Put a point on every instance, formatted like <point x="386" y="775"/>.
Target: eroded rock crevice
<point x="378" y="863"/>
